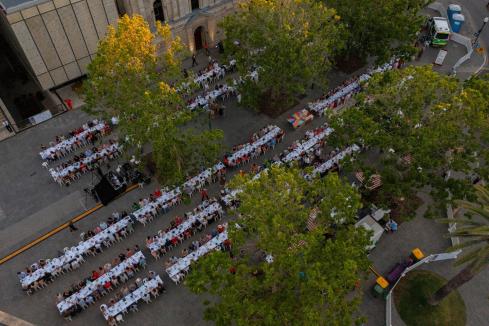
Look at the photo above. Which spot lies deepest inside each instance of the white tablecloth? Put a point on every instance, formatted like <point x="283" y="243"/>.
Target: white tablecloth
<point x="206" y="76"/>
<point x="249" y="148"/>
<point x="320" y="106"/>
<point x="164" y="200"/>
<point x="204" y="100"/>
<point x="132" y="297"/>
<point x="179" y="230"/>
<point x="79" y="250"/>
<point x="305" y="146"/>
<point x="75" y="166"/>
<point x="335" y="159"/>
<point x="92" y="286"/>
<point x="70" y="141"/>
<point x="201" y="179"/>
<point x="184" y="263"/>
<point x="228" y="199"/>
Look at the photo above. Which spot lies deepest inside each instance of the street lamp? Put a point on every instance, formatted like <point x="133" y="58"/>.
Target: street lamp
<point x="484" y="22"/>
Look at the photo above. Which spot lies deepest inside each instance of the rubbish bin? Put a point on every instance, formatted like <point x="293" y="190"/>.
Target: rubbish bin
<point x="457" y="22"/>
<point x="453" y="9"/>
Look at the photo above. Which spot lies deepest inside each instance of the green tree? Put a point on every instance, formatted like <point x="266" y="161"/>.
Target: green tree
<point x="417" y="125"/>
<point x="473" y="232"/>
<point x="378" y="28"/>
<point x="133" y="77"/>
<point x="312" y="278"/>
<point x="292" y="43"/>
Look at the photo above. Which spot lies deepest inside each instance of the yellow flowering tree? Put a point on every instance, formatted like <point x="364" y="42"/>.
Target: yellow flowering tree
<point x="133" y="77"/>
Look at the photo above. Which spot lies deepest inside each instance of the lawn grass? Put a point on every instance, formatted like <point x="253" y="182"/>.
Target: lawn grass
<point x="412" y="293"/>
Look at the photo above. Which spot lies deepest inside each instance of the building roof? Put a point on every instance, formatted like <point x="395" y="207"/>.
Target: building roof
<point x="15" y="5"/>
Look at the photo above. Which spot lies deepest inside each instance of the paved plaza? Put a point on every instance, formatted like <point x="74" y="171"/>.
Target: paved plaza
<point x="31" y="203"/>
<point x="35" y="204"/>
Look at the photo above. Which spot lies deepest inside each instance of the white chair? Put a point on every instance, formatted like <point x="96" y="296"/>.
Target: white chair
<point x="146" y="298"/>
<point x="119" y="318"/>
<point x="75" y="265"/>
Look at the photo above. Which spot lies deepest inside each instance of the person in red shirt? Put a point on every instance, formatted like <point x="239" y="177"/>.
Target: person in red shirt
<point x="95" y="275"/>
<point x="227" y="244"/>
<point x="157" y="193"/>
<point x="178" y="220"/>
<point x="203" y="194"/>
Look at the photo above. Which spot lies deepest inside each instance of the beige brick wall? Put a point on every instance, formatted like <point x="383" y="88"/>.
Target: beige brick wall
<point x="59" y="37"/>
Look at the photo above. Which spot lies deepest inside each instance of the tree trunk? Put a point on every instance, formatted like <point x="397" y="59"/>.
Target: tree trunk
<point x="461" y="278"/>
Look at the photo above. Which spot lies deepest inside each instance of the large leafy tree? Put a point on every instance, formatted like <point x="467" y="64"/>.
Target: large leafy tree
<point x="378" y="28"/>
<point x="473" y="231"/>
<point x="133" y="77"/>
<point x="312" y="278"/>
<point x="417" y="125"/>
<point x="291" y="41"/>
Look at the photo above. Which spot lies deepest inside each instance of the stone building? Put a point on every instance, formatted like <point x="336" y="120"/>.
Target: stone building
<point x="49" y="43"/>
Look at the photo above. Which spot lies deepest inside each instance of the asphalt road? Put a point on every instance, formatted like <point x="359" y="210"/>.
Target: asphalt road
<point x="474" y="11"/>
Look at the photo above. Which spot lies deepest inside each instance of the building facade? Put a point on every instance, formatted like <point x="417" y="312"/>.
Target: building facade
<point x="55" y="40"/>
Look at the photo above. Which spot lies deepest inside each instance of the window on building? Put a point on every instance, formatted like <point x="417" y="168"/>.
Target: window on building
<point x="158" y="10"/>
<point x="195" y="4"/>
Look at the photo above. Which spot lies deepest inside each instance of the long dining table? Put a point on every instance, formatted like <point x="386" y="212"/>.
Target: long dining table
<point x="307" y="145"/>
<point x="90" y="287"/>
<point x="160" y="241"/>
<point x="67" y="143"/>
<point x="184" y="263"/>
<point x="72" y="253"/>
<point x="132" y="298"/>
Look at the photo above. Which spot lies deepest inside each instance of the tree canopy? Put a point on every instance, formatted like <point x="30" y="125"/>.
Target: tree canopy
<point x="417" y="125"/>
<point x="312" y="278"/>
<point x="379" y="28"/>
<point x="133" y="77"/>
<point x="292" y="43"/>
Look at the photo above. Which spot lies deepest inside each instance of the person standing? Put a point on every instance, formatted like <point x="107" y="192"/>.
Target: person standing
<point x="194" y="60"/>
<point x="206" y="48"/>
<point x="203" y="194"/>
<point x="7" y="126"/>
<point x="72" y="227"/>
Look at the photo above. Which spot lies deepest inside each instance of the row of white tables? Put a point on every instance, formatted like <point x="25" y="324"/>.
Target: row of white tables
<point x="205" y="99"/>
<point x="322" y="105"/>
<point x="72" y="253"/>
<point x="58" y="174"/>
<point x="132" y="298"/>
<point x="192" y="184"/>
<point x="160" y="241"/>
<point x="184" y="263"/>
<point x="334" y="160"/>
<point x="271" y="132"/>
<point x="165" y="201"/>
<point x="67" y="143"/>
<point x="216" y="70"/>
<point x="306" y="145"/>
<point x="92" y="286"/>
